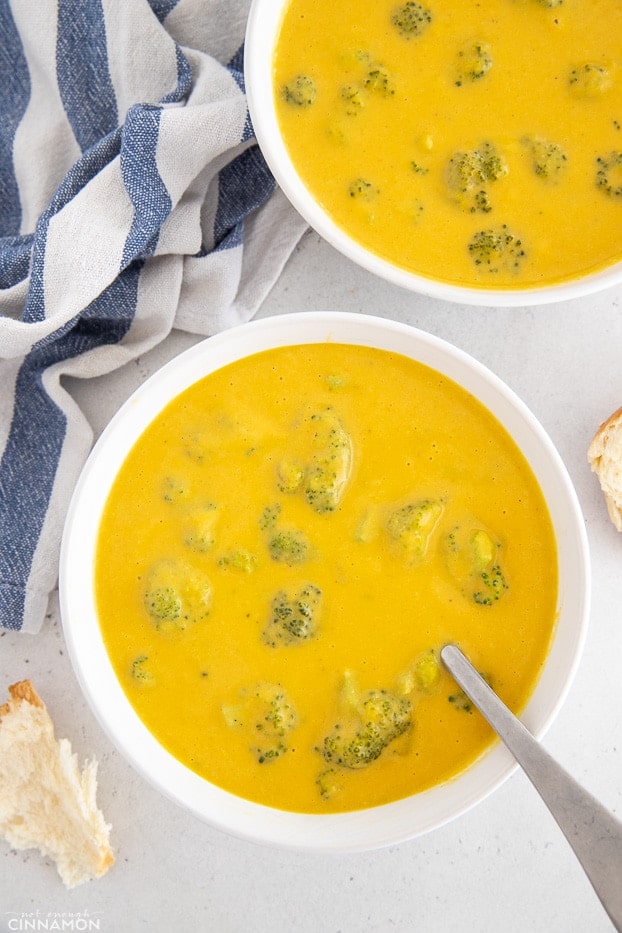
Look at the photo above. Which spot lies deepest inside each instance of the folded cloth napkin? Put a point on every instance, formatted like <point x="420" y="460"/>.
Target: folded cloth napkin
<point x="133" y="198"/>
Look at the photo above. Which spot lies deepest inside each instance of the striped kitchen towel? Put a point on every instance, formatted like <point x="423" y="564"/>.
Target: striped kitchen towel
<point x="133" y="198"/>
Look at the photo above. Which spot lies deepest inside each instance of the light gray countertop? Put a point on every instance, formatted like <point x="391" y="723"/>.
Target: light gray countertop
<point x="502" y="866"/>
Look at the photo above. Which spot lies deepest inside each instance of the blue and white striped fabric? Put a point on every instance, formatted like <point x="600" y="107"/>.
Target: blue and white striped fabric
<point x="133" y="198"/>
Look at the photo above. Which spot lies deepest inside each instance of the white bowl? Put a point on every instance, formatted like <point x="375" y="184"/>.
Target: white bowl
<point x="261" y="34"/>
<point x="362" y="829"/>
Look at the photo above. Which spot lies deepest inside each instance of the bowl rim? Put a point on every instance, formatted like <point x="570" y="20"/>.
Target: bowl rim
<point x="362" y="829"/>
<point x="261" y="31"/>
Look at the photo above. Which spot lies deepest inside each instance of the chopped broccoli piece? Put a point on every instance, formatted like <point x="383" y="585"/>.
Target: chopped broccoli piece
<point x="300" y="91"/>
<point x="367" y="528"/>
<point x="139" y="670"/>
<point x="548" y="160"/>
<point x="379" y="81"/>
<point x="411" y="19"/>
<point x="266" y="717"/>
<point x="494" y="585"/>
<point x="609" y="174"/>
<point x="473" y="561"/>
<point x="174" y="489"/>
<point x="353" y="98"/>
<point x="362" y="190"/>
<point x="461" y="702"/>
<point x="289" y="475"/>
<point x="336" y="380"/>
<point x="352" y="749"/>
<point x="269" y="516"/>
<point x="497" y="249"/>
<point x="238" y="560"/>
<point x="288" y="546"/>
<point x="423" y="675"/>
<point x="482" y="550"/>
<point x="590" y="79"/>
<point x="163" y="603"/>
<point x="427" y="671"/>
<point x="293" y="619"/>
<point x="473" y="62"/>
<point x="199" y="528"/>
<point x="327" y="475"/>
<point x="380" y="717"/>
<point x="419" y="169"/>
<point x="410" y="527"/>
<point x="469" y="175"/>
<point x="176" y="595"/>
<point x="328" y="783"/>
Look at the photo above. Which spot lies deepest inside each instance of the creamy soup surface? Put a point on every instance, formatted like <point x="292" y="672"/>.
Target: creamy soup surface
<point x="285" y="551"/>
<point x="479" y="143"/>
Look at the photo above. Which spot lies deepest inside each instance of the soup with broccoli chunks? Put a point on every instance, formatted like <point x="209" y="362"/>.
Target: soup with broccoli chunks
<point x="284" y="553"/>
<point x="479" y="144"/>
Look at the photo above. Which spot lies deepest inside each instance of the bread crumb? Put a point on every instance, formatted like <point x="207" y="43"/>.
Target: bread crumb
<point x="605" y="458"/>
<point x="46" y="802"/>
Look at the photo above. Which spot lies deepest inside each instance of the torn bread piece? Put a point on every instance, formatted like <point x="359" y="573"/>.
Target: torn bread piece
<point x="46" y="802"/>
<point x="605" y="457"/>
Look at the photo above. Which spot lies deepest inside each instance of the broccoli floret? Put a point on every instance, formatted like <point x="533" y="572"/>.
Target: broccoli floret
<point x="266" y="717"/>
<point x="239" y="559"/>
<point x="411" y="19"/>
<point x="174" y="489"/>
<point x="300" y="91"/>
<point x="362" y="190"/>
<point x="469" y="175"/>
<point x="419" y="169"/>
<point x="474" y="60"/>
<point x="140" y="672"/>
<point x="590" y="79"/>
<point x="494" y="585"/>
<point x="199" y="528"/>
<point x="352" y="750"/>
<point x="548" y="160"/>
<point x="353" y="98"/>
<point x="380" y="718"/>
<point x="379" y="81"/>
<point x="496" y="249"/>
<point x="473" y="559"/>
<point x="609" y="174"/>
<point x="385" y="713"/>
<point x="293" y="619"/>
<point x="288" y="546"/>
<point x="269" y="516"/>
<point x="461" y="702"/>
<point x="328" y="783"/>
<point x="410" y="527"/>
<point x="195" y="446"/>
<point x="176" y="595"/>
<point x="289" y="475"/>
<point x="327" y="475"/>
<point x="423" y="676"/>
<point x="163" y="603"/>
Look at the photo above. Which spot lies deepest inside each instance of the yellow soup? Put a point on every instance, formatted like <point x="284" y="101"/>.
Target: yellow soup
<point x="478" y="143"/>
<point x="285" y="551"/>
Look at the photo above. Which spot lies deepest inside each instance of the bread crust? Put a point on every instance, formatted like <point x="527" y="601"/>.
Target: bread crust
<point x="604" y="456"/>
<point x="22" y="691"/>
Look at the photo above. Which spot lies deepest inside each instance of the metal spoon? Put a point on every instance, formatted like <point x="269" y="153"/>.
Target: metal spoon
<point x="593" y="832"/>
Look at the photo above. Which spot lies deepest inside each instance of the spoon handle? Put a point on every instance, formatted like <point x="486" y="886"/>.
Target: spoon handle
<point x="594" y="834"/>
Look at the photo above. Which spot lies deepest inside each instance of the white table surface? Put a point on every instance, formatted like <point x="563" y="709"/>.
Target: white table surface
<point x="504" y="866"/>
